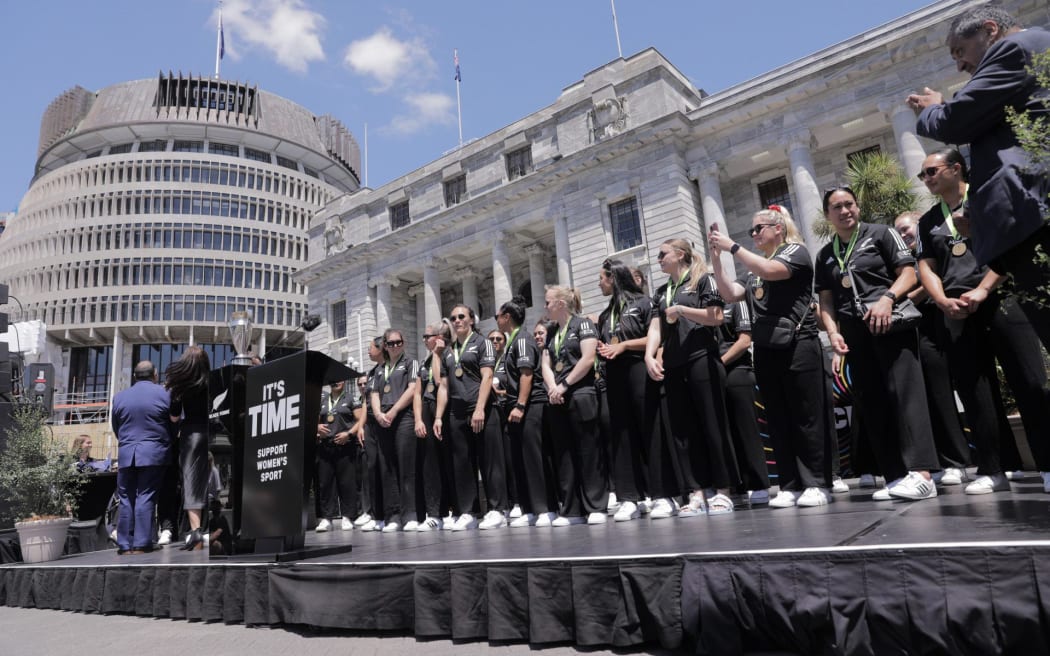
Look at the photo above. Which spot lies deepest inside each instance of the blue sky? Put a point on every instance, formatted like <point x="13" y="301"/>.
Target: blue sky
<point x="389" y="64"/>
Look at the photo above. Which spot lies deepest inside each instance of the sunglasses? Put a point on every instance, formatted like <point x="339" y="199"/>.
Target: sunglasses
<point x="395" y="342"/>
<point x="759" y="228"/>
<point x="661" y="255"/>
<point x="457" y="317"/>
<point x="428" y="336"/>
<point x="930" y="171"/>
<point x="495" y="339"/>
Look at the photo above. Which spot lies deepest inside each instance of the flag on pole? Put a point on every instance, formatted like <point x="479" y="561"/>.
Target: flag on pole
<point x="222" y="39"/>
<point x="455" y="60"/>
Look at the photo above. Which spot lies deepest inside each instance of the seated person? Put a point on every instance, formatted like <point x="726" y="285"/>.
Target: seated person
<point x="84" y="462"/>
<point x="220" y="538"/>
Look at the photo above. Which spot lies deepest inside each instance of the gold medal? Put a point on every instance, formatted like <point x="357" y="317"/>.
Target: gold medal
<point x="559" y="367"/>
<point x="760" y="293"/>
<point x="386" y="389"/>
<point x="614" y="340"/>
<point x="846" y="283"/>
<point x="959" y="248"/>
<point x="330" y="418"/>
<point x="430" y="388"/>
<point x="458" y="372"/>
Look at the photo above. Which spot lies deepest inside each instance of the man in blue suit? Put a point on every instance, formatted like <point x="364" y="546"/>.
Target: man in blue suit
<point x="142" y="424"/>
<point x="1007" y="192"/>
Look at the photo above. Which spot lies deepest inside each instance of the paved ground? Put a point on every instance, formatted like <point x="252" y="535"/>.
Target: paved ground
<point x="31" y="632"/>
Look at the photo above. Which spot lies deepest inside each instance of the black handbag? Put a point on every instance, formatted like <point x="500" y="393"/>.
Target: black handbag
<point x="777" y="333"/>
<point x="905" y="316"/>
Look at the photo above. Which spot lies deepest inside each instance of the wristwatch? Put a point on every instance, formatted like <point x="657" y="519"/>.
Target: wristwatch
<point x="733" y="249"/>
<point x="890" y="295"/>
<point x="519" y="406"/>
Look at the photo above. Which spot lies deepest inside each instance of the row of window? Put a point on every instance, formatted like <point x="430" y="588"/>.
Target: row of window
<point x="169" y="271"/>
<point x="518" y="163"/>
<point x="167" y="307"/>
<point x="214" y="148"/>
<point x="230" y="239"/>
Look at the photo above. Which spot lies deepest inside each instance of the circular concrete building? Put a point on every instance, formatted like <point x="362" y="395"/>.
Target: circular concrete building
<point x="157" y="208"/>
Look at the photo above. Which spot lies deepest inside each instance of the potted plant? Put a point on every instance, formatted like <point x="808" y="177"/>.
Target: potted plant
<point x="40" y="484"/>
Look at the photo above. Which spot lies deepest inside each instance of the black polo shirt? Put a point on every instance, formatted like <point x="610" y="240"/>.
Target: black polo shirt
<point x="632" y="322"/>
<point x="401" y="374"/>
<point x="341" y="411"/>
<point x="790" y="297"/>
<point x="477" y="354"/>
<point x="426" y="380"/>
<point x="522" y="354"/>
<point x="958" y="273"/>
<point x="370" y="386"/>
<point x="877" y="255"/>
<point x="579" y="329"/>
<point x="685" y="340"/>
<point x="736" y="320"/>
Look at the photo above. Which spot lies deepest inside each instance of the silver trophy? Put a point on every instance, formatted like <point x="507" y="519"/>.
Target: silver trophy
<point x="241" y="336"/>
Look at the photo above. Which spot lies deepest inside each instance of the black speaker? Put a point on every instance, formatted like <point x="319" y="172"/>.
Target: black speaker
<point x="41" y="390"/>
<point x="5" y="370"/>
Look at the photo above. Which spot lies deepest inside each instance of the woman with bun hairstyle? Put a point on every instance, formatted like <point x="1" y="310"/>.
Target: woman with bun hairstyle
<point x="473" y="428"/>
<point x="778" y="286"/>
<point x="572" y="411"/>
<point x="689" y="312"/>
<point x="523" y="412"/>
<point x="871" y="262"/>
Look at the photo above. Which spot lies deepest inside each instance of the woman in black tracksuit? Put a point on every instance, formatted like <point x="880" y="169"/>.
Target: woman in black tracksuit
<point x="392" y="393"/>
<point x="689" y="314"/>
<point x="431" y="464"/>
<point x="790" y="372"/>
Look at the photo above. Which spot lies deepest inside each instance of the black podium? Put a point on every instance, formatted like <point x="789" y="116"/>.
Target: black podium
<point x="282" y="404"/>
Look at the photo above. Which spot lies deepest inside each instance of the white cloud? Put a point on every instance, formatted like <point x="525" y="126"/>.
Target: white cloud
<point x="425" y="109"/>
<point x="287" y="29"/>
<point x="390" y="61"/>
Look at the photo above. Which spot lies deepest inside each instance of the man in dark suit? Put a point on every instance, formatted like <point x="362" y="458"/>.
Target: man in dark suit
<point x="1007" y="193"/>
<point x="142" y="424"/>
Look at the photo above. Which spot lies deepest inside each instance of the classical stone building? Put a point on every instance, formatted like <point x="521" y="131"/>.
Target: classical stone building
<point x="157" y="208"/>
<point x="629" y="156"/>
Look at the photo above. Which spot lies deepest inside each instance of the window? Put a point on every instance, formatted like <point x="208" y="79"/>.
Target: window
<point x="223" y="149"/>
<point x="871" y="150"/>
<point x="455" y="190"/>
<point x="626" y="228"/>
<point x="188" y="146"/>
<point x="287" y="163"/>
<point x="337" y="319"/>
<point x="257" y="155"/>
<point x="519" y="162"/>
<point x="399" y="216"/>
<point x="775" y="192"/>
<point x="120" y="149"/>
<point x="153" y="146"/>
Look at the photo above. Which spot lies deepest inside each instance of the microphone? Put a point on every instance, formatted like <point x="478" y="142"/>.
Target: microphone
<point x="310" y="322"/>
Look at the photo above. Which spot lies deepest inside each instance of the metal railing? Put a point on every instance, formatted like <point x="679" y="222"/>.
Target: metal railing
<point x="81" y="407"/>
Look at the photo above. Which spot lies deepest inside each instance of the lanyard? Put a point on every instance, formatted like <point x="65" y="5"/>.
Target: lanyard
<point x="336" y="399"/>
<point x="672" y="288"/>
<point x="612" y="317"/>
<point x="758" y="279"/>
<point x="506" y="347"/>
<point x="559" y="339"/>
<point x="387" y="368"/>
<point x="947" y="212"/>
<point x="457" y="353"/>
<point x="849" y="249"/>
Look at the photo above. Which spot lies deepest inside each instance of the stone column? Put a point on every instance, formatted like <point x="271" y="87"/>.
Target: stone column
<point x="806" y="192"/>
<point x="711" y="203"/>
<point x="909" y="149"/>
<point x="383" y="287"/>
<point x="431" y="291"/>
<point x="116" y="362"/>
<point x="537" y="278"/>
<point x="418" y="292"/>
<point x="502" y="289"/>
<point x="561" y="248"/>
<point x="469" y="277"/>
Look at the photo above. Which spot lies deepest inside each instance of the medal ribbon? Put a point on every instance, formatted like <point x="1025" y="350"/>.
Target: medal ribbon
<point x="387" y="369"/>
<point x="506" y="347"/>
<point x="613" y="324"/>
<point x="758" y="279"/>
<point x="331" y="404"/>
<point x="843" y="260"/>
<point x="672" y="288"/>
<point x="456" y="354"/>
<point x="947" y="212"/>
<point x="559" y="339"/>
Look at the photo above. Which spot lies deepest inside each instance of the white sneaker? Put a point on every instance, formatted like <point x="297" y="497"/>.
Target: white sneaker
<point x="411" y="526"/>
<point x="492" y="519"/>
<point x="545" y="520"/>
<point x="1046" y="481"/>
<point x="914" y="487"/>
<point x="719" y="504"/>
<point x="1014" y="475"/>
<point x="758" y="497"/>
<point x="662" y="509"/>
<point x="448" y="522"/>
<point x="988" y="484"/>
<point x="883" y="494"/>
<point x="346" y="524"/>
<point x="597" y="518"/>
<point x="838" y="486"/>
<point x="515" y="512"/>
<point x="362" y="519"/>
<point x="568" y="521"/>
<point x="371" y="525"/>
<point x="614" y="503"/>
<point x="784" y="499"/>
<point x="866" y="481"/>
<point x="627" y="511"/>
<point x="323" y="526"/>
<point x="165" y="537"/>
<point x="949" y="476"/>
<point x="814" y="496"/>
<point x="465" y="522"/>
<point x="526" y="520"/>
<point x="645" y="506"/>
<point x="391" y="527"/>
<point x="430" y="524"/>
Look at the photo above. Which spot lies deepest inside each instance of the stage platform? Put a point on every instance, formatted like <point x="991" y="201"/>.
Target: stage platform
<point x="954" y="575"/>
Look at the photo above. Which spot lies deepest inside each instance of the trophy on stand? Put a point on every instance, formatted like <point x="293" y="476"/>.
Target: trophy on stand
<point x="241" y="336"/>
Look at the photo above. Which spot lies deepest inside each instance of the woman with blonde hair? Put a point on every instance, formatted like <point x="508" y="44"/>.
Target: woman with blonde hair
<point x="789" y="360"/>
<point x="572" y="411"/>
<point x="689" y="312"/>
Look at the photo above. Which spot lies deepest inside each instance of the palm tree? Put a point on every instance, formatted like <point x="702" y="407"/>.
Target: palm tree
<point x="883" y="190"/>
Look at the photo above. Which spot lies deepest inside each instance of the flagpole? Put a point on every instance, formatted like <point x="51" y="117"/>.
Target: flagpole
<point x="218" y="43"/>
<point x="366" y="154"/>
<point x="459" y="107"/>
<point x="616" y="28"/>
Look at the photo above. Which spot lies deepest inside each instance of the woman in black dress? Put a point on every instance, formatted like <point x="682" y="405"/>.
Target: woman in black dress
<point x="187" y="380"/>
